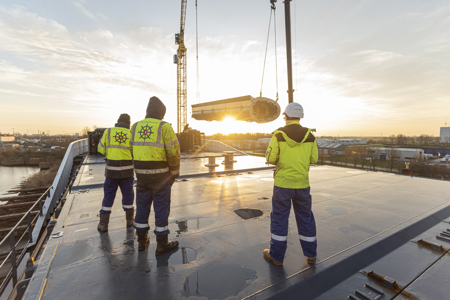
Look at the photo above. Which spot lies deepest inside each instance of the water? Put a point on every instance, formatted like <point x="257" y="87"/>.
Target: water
<point x="218" y="281"/>
<point x="247" y="213"/>
<point x="11" y="177"/>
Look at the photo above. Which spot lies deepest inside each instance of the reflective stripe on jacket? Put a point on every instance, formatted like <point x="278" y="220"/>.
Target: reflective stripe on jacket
<point x="156" y="151"/>
<point x="115" y="145"/>
<point x="292" y="149"/>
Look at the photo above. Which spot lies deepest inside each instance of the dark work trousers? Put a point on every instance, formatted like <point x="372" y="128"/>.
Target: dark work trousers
<point x="306" y="225"/>
<point x="110" y="190"/>
<point x="161" y="199"/>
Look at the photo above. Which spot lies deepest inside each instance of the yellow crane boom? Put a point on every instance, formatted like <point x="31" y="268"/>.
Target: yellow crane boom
<point x="180" y="60"/>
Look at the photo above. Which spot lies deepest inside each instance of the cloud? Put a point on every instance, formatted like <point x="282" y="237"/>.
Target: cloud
<point x="80" y="6"/>
<point x="359" y="60"/>
<point x="54" y="58"/>
<point x="44" y="65"/>
<point x="396" y="76"/>
<point x="16" y="92"/>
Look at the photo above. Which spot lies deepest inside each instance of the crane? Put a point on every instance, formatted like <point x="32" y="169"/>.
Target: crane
<point x="180" y="60"/>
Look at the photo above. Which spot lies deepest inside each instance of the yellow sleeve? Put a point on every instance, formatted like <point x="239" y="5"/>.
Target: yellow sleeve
<point x="172" y="147"/>
<point x="273" y="151"/>
<point x="102" y="144"/>
<point x="314" y="153"/>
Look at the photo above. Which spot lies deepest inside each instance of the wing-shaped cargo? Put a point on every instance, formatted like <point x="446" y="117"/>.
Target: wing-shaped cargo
<point x="245" y="108"/>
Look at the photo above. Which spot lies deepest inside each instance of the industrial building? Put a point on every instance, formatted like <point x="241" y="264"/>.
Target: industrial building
<point x="7" y="138"/>
<point x="337" y="146"/>
<point x="342" y="141"/>
<point x="444" y="135"/>
<point x="402" y="154"/>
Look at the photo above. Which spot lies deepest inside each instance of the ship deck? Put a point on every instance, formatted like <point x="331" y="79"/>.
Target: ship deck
<point x="365" y="221"/>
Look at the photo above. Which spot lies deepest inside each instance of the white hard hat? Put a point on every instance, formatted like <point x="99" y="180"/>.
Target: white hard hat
<point x="294" y="110"/>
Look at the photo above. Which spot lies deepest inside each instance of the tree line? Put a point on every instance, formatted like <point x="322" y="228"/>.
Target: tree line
<point x="401" y="139"/>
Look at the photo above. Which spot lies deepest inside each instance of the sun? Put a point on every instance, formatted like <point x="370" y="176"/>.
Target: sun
<point x="229" y="125"/>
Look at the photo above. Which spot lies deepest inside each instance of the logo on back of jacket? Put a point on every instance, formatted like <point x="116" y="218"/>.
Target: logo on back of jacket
<point x="145" y="132"/>
<point x="121" y="137"/>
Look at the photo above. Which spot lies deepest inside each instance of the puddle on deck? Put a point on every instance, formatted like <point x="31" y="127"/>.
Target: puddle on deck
<point x="247" y="213"/>
<point x="182" y="256"/>
<point x="190" y="225"/>
<point x="218" y="281"/>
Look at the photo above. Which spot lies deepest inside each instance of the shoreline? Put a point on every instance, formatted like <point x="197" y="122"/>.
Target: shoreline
<point x="20" y="165"/>
<point x="14" y="176"/>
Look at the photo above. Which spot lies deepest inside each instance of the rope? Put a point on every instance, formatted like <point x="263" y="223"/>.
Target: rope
<point x="196" y="50"/>
<point x="276" y="57"/>
<point x="295" y="45"/>
<point x="265" y="54"/>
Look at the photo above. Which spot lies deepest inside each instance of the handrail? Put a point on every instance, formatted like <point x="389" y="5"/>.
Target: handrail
<point x="54" y="194"/>
<point x="12" y="250"/>
<point x="26" y="214"/>
<point x="59" y="185"/>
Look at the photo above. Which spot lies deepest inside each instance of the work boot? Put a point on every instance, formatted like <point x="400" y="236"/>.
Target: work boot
<point x="143" y="240"/>
<point x="164" y="245"/>
<point x="103" y="224"/>
<point x="266" y="254"/>
<point x="311" y="260"/>
<point x="130" y="217"/>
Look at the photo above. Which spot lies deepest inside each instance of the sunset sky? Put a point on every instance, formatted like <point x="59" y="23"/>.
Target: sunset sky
<point x="360" y="67"/>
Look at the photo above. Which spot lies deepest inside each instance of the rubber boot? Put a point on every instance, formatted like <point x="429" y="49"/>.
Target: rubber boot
<point x="164" y="245"/>
<point x="143" y="240"/>
<point x="103" y="224"/>
<point x="130" y="217"/>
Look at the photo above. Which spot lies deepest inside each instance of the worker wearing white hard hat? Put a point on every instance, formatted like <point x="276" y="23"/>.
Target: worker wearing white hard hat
<point x="292" y="149"/>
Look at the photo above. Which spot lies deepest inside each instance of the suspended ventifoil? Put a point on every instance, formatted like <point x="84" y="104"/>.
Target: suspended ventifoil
<point x="245" y="108"/>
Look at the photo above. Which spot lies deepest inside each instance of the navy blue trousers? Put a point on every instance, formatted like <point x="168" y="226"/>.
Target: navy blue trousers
<point x="110" y="189"/>
<point x="161" y="200"/>
<point x="279" y="221"/>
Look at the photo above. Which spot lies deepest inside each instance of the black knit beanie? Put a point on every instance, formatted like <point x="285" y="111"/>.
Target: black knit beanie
<point x="125" y="118"/>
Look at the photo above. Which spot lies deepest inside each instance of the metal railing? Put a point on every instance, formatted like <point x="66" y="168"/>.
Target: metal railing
<point x="46" y="209"/>
<point x="59" y="185"/>
<point x="11" y="257"/>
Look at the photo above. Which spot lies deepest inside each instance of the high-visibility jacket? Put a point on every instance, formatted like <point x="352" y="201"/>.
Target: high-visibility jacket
<point x="115" y="145"/>
<point x="156" y="152"/>
<point x="292" y="149"/>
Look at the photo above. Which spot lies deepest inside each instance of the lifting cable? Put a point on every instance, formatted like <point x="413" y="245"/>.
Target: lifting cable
<point x="272" y="9"/>
<point x="196" y="50"/>
<point x="295" y="46"/>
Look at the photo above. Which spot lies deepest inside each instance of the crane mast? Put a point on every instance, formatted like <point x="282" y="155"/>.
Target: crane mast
<point x="181" y="72"/>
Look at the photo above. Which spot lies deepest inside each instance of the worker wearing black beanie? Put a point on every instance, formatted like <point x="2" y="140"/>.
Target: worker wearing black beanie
<point x="119" y="171"/>
<point x="124" y="121"/>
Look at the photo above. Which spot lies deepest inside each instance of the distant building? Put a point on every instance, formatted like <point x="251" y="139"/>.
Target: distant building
<point x="330" y="148"/>
<point x="342" y="141"/>
<point x="10" y="147"/>
<point x="402" y="154"/>
<point x="7" y="138"/>
<point x="265" y="140"/>
<point x="445" y="135"/>
<point x="263" y="143"/>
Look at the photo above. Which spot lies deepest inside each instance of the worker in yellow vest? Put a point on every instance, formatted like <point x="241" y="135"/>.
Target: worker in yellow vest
<point x="115" y="145"/>
<point x="156" y="154"/>
<point x="293" y="148"/>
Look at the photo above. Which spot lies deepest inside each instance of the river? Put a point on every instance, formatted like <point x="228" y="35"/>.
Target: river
<point x="11" y="177"/>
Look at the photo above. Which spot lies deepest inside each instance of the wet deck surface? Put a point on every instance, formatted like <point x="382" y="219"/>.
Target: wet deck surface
<point x="222" y="224"/>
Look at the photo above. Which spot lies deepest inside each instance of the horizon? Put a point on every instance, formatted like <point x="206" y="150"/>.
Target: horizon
<point x="236" y="133"/>
<point x="374" y="68"/>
